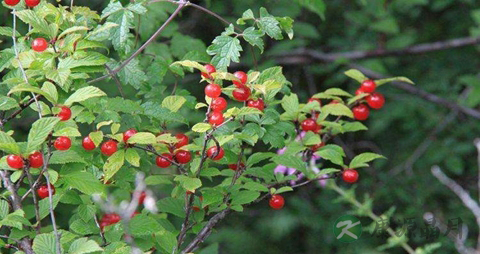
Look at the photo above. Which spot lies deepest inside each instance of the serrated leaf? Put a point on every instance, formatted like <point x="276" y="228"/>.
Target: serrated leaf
<point x="39" y="132"/>
<point x="8" y="31"/>
<point x="211" y="196"/>
<point x="316" y="6"/>
<point x="337" y="109"/>
<point x="84" y="182"/>
<point x="254" y="37"/>
<point x="44" y="205"/>
<point x="354" y="126"/>
<point x="91" y="59"/>
<point x="167" y="138"/>
<point x="67" y="131"/>
<point x="72" y="30"/>
<point x="7" y="103"/>
<point x="201" y="127"/>
<point x="380" y="82"/>
<point x="244" y="197"/>
<point x="39" y="25"/>
<point x="290" y="161"/>
<point x="327" y="171"/>
<point x="113" y="164"/>
<point x="104" y="123"/>
<point x="331" y="154"/>
<point x="361" y="160"/>
<point x="356" y="98"/>
<point x="96" y="137"/>
<point x="258" y="157"/>
<point x="290" y="104"/>
<point x="269" y="24"/>
<point x="356" y="74"/>
<point x="132" y="157"/>
<point x="8" y="144"/>
<point x="44" y="243"/>
<point x="101" y="32"/>
<point x="84" y="93"/>
<point x="188" y="183"/>
<point x="174" y="103"/>
<point x="224" y="49"/>
<point x="172" y="205"/>
<point x="63" y="157"/>
<point x="283" y="189"/>
<point x="51" y="90"/>
<point x="143" y="138"/>
<point x="83" y="245"/>
<point x="337" y="92"/>
<point x="60" y="76"/>
<point x="200" y="105"/>
<point x="33" y="89"/>
<point x="142" y="225"/>
<point x="191" y="64"/>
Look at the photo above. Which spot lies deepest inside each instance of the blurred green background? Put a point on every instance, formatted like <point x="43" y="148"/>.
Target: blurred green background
<point x="405" y="131"/>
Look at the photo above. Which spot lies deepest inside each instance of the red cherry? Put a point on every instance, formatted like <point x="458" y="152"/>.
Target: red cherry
<point x="42" y="191"/>
<point x="218" y="104"/>
<point x="88" y="144"/>
<point x="110" y="147"/>
<point x="213" y="150"/>
<point x="241" y="93"/>
<point x="350" y="175"/>
<point x="234" y="166"/>
<point x="210" y="69"/>
<point x="109" y="219"/>
<point x="65" y="113"/>
<point x="242" y="76"/>
<point x="361" y="112"/>
<point x="317" y="146"/>
<point x="213" y="90"/>
<point x="142" y="197"/>
<point x="128" y="134"/>
<point x="310" y="125"/>
<point x="39" y="44"/>
<point x="195" y="208"/>
<point x="375" y="100"/>
<point x="359" y="91"/>
<point x="182" y="140"/>
<point x="62" y="143"/>
<point x="276" y="202"/>
<point x="12" y="2"/>
<point x="315" y="99"/>
<point x="15" y="161"/>
<point x="36" y="159"/>
<point x="258" y="104"/>
<point x="103" y="224"/>
<point x="216" y="118"/>
<point x="183" y="157"/>
<point x="162" y="162"/>
<point x="368" y="86"/>
<point x="32" y="3"/>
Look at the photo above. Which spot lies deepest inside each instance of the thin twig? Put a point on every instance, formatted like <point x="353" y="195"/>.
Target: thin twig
<point x="459" y="243"/>
<point x="35" y="199"/>
<point x="117" y="81"/>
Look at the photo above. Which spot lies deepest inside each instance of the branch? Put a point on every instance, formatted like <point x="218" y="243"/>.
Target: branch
<point x="181" y="5"/>
<point x="22" y="107"/>
<point x="35" y="199"/>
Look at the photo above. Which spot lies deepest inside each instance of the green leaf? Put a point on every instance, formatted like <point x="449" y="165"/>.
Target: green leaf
<point x="337" y="92"/>
<point x="290" y="161"/>
<point x="44" y="243"/>
<point x="101" y="32"/>
<point x="337" y="109"/>
<point x="380" y="82"/>
<point x="67" y="131"/>
<point x="201" y="127"/>
<point x="290" y="104"/>
<point x="51" y="90"/>
<point x="244" y="197"/>
<point x="247" y="15"/>
<point x="60" y="76"/>
<point x="157" y="179"/>
<point x="174" y="103"/>
<point x="96" y="137"/>
<point x="211" y="196"/>
<point x="120" y="35"/>
<point x="7" y="103"/>
<point x="29" y="88"/>
<point x="257" y="157"/>
<point x="8" y="31"/>
<point x="354" y="126"/>
<point x="142" y="225"/>
<point x="188" y="183"/>
<point x="113" y="164"/>
<point x="39" y="132"/>
<point x="316" y="6"/>
<point x="333" y="155"/>
<point x="191" y="64"/>
<point x="63" y="157"/>
<point x="4" y="207"/>
<point x="356" y="74"/>
<point x="269" y="24"/>
<point x="286" y="23"/>
<point x="91" y="59"/>
<point x="8" y="144"/>
<point x="44" y="205"/>
<point x="327" y="171"/>
<point x="284" y="189"/>
<point x="132" y="157"/>
<point x="72" y="30"/>
<point x="171" y="205"/>
<point x="362" y="159"/>
<point x="143" y="138"/>
<point x="254" y="37"/>
<point x="83" y="245"/>
<point x="84" y="94"/>
<point x="254" y="186"/>
<point x="84" y="182"/>
<point x="224" y="49"/>
<point x="356" y="98"/>
<point x="39" y="25"/>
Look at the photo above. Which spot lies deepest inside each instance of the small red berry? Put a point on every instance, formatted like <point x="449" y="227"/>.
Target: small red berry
<point x="36" y="159"/>
<point x="241" y="93"/>
<point x="310" y="125"/>
<point x="15" y="161"/>
<point x="183" y="157"/>
<point x="88" y="144"/>
<point x="213" y="150"/>
<point x="359" y="91"/>
<point x="39" y="44"/>
<point x="110" y="147"/>
<point x="210" y="69"/>
<point x="162" y="162"/>
<point x="242" y="76"/>
<point x="368" y="86"/>
<point x="42" y="191"/>
<point x="216" y="118"/>
<point x="32" y="3"/>
<point x="12" y="2"/>
<point x="350" y="175"/>
<point x="65" y="113"/>
<point x="315" y="99"/>
<point x="195" y="208"/>
<point x="62" y="143"/>
<point x="276" y="202"/>
<point x="258" y="104"/>
<point x="142" y="197"/>
<point x="128" y="134"/>
<point x="213" y="90"/>
<point x="218" y="104"/>
<point x="361" y="112"/>
<point x="182" y="140"/>
<point x="234" y="166"/>
<point x="376" y="100"/>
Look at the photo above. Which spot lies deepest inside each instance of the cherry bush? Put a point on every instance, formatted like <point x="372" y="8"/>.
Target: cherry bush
<point x="133" y="173"/>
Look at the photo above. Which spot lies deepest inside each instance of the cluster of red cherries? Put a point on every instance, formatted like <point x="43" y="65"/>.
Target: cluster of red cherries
<point x="28" y="3"/>
<point x="373" y="99"/>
